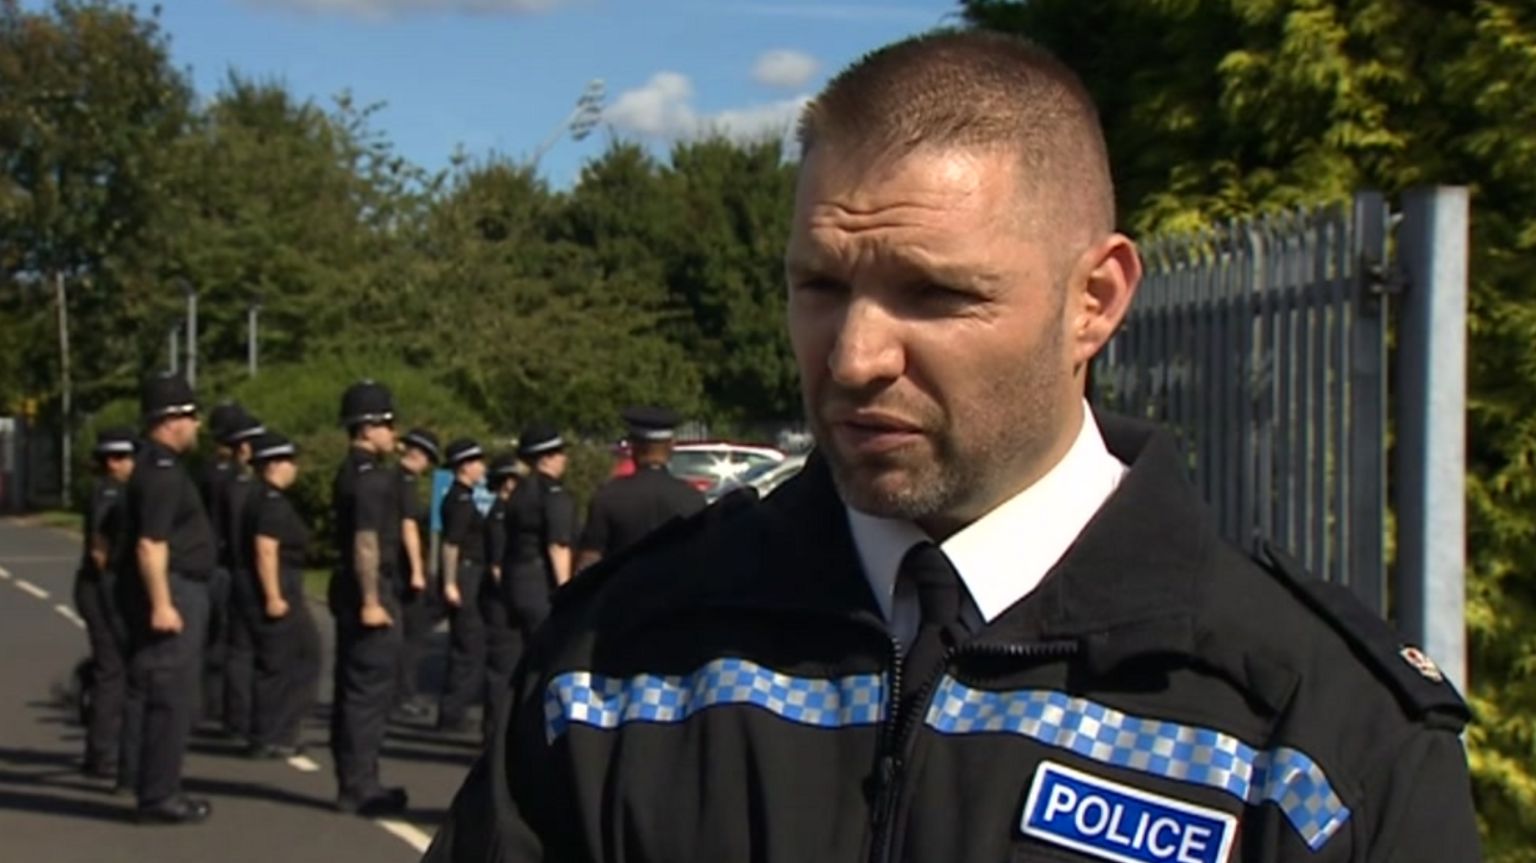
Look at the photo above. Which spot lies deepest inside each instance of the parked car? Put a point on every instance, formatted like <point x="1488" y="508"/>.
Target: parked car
<point x="765" y="478"/>
<point x="714" y="467"/>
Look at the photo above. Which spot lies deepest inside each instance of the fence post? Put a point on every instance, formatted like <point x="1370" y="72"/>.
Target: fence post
<point x="1365" y="558"/>
<point x="1431" y="425"/>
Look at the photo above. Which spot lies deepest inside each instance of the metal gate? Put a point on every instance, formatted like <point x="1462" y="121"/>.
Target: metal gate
<point x="1262" y="343"/>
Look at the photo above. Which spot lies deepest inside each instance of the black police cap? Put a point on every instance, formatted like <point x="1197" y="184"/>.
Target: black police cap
<point x="651" y="423"/>
<point x="166" y="396"/>
<point x="367" y="402"/>
<point x="117" y="440"/>
<point x="232" y="424"/>
<point x="270" y="446"/>
<point x="424" y="441"/>
<point x="539" y="439"/>
<point x="502" y="466"/>
<point x="463" y="450"/>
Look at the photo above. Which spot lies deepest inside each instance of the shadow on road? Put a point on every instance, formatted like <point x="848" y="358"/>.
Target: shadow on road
<point x="72" y="807"/>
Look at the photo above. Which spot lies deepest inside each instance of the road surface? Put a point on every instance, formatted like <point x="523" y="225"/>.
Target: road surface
<point x="264" y="812"/>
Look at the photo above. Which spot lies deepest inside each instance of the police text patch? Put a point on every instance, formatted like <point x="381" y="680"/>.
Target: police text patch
<point x="1117" y="822"/>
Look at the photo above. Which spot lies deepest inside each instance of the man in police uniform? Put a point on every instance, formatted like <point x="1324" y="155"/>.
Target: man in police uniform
<point x="541" y="527"/>
<point x="419" y="452"/>
<point x="364" y="599"/>
<point x="104" y="523"/>
<point x="984" y="623"/>
<point x="163" y="591"/>
<point x="229" y="660"/>
<point x="463" y="568"/>
<point x="503" y="641"/>
<point x="626" y="509"/>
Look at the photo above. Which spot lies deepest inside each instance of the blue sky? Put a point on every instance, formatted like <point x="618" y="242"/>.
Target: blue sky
<point x="502" y="74"/>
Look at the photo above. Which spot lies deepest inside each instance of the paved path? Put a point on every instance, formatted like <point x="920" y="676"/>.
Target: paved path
<point x="264" y="812"/>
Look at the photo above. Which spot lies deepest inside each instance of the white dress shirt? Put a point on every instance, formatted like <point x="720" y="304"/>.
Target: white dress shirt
<point x="1005" y="554"/>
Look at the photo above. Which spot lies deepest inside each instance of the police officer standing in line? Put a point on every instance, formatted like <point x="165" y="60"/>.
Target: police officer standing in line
<point x="104" y="524"/>
<point x="163" y="589"/>
<point x="286" y="639"/>
<point x="541" y="527"/>
<point x="503" y="643"/>
<point x="464" y="585"/>
<point x="418" y="604"/>
<point x="626" y="509"/>
<point x="364" y="600"/>
<point x="230" y="656"/>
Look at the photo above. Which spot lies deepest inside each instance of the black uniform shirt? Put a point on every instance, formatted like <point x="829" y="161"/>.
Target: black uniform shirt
<point x="496" y="532"/>
<point x="410" y="509"/>
<point x="626" y="509"/>
<point x="365" y="497"/>
<point x="239" y="492"/>
<point x="164" y="506"/>
<point x="104" y="517"/>
<point x="540" y="513"/>
<point x="271" y="514"/>
<point x="216" y="487"/>
<point x="463" y="525"/>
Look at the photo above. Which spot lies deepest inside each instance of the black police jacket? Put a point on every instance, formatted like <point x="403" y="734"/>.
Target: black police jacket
<point x="724" y="692"/>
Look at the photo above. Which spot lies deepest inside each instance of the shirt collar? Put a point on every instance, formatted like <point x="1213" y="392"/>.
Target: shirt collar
<point x="1002" y="556"/>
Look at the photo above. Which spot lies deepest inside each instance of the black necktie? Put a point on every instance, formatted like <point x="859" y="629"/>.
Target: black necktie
<point x="940" y="596"/>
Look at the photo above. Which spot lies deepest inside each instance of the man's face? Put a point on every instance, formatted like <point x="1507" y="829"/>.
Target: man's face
<point x="414" y="460"/>
<point x="119" y="467"/>
<point x="553" y="465"/>
<point x="930" y="326"/>
<point x="472" y="471"/>
<point x="380" y="437"/>
<point x="182" y="431"/>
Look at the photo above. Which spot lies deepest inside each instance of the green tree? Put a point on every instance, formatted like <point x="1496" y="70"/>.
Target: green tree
<point x="90" y="111"/>
<point x="1215" y="108"/>
<point x="726" y="265"/>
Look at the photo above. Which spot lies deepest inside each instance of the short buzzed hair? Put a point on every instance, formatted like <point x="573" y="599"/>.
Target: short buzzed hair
<point x="974" y="89"/>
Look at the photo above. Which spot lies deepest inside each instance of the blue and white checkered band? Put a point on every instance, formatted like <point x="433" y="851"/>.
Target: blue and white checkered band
<point x="584" y="698"/>
<point x="1186" y="753"/>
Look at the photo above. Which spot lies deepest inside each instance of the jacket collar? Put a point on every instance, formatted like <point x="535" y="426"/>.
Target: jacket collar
<point x="1129" y="585"/>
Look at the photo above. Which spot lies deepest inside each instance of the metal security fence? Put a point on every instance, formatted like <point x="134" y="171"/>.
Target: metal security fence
<point x="1262" y="343"/>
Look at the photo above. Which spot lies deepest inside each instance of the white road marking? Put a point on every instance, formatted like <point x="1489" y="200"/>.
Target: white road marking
<point x="304" y="764"/>
<point x="31" y="588"/>
<point x="69" y="615"/>
<point x="5" y="573"/>
<point x="413" y="835"/>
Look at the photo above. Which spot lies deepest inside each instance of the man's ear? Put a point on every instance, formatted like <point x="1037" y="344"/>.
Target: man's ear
<point x="1104" y="283"/>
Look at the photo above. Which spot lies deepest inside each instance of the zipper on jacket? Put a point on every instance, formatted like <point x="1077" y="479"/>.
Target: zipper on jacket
<point x="898" y="736"/>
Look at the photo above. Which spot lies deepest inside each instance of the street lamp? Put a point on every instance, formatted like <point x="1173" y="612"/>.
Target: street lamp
<point x="580" y="122"/>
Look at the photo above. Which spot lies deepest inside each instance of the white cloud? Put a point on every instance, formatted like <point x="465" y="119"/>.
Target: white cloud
<point x="784" y="68"/>
<point x="392" y="8"/>
<point x="663" y="108"/>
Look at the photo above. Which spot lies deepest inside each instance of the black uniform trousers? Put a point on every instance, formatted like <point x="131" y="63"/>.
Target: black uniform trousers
<point x="109" y="663"/>
<point x="503" y="647"/>
<point x="419" y="608"/>
<point x="465" y="682"/>
<point x="367" y="664"/>
<point x="287" y="654"/>
<point x="164" y="673"/>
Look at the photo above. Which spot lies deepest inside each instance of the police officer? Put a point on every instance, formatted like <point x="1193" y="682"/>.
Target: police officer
<point x="229" y="660"/>
<point x="463" y="568"/>
<point x="985" y="622"/>
<point x="541" y="527"/>
<point x="163" y="590"/>
<point x="624" y="510"/>
<point x="286" y="639"/>
<point x="104" y="525"/>
<point x="419" y="452"/>
<point x="503" y="643"/>
<point x="364" y="599"/>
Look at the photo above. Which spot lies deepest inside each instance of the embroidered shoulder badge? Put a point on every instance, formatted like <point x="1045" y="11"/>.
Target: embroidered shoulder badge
<point x="1421" y="663"/>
